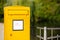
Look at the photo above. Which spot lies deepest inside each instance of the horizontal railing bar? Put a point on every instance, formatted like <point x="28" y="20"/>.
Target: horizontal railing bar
<point x="40" y="37"/>
<point x="40" y="28"/>
<point x="48" y="37"/>
<point x="49" y="28"/>
<point x="53" y="37"/>
<point x="53" y="28"/>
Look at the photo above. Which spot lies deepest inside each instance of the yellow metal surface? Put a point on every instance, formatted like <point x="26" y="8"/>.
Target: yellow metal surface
<point x="16" y="13"/>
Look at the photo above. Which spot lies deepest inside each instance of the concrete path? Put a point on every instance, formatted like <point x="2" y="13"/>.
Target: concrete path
<point x="1" y="31"/>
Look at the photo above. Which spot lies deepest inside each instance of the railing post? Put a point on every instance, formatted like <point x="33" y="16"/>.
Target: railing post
<point x="40" y="34"/>
<point x="45" y="33"/>
<point x="57" y="36"/>
<point x="51" y="34"/>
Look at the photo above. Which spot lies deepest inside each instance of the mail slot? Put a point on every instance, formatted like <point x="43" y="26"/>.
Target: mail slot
<point x="16" y="23"/>
<point x="18" y="12"/>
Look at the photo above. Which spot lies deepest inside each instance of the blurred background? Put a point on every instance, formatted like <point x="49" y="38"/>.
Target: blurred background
<point x="43" y="12"/>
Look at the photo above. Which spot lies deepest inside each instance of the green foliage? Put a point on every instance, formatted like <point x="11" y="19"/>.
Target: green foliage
<point x="1" y="8"/>
<point x="43" y="12"/>
<point x="47" y="13"/>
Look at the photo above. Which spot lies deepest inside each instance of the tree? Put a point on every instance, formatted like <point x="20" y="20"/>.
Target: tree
<point x="46" y="14"/>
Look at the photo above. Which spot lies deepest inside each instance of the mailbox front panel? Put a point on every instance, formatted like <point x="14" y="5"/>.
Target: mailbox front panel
<point x="16" y="24"/>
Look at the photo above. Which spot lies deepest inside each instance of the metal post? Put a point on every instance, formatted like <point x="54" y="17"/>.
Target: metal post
<point x="40" y="34"/>
<point x="57" y="36"/>
<point x="45" y="33"/>
<point x="51" y="34"/>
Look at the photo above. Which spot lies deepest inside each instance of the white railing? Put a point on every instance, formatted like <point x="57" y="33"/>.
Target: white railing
<point x="45" y="33"/>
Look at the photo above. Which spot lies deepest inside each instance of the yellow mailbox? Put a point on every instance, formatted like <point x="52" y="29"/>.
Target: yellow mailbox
<point x="16" y="23"/>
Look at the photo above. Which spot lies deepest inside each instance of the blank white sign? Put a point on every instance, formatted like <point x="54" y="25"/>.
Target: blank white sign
<point x="17" y="25"/>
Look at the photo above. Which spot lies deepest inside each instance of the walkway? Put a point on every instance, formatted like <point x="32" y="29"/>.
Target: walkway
<point x="1" y="31"/>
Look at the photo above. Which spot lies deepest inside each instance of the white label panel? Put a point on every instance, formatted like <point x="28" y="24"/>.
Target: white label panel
<point x="17" y="25"/>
